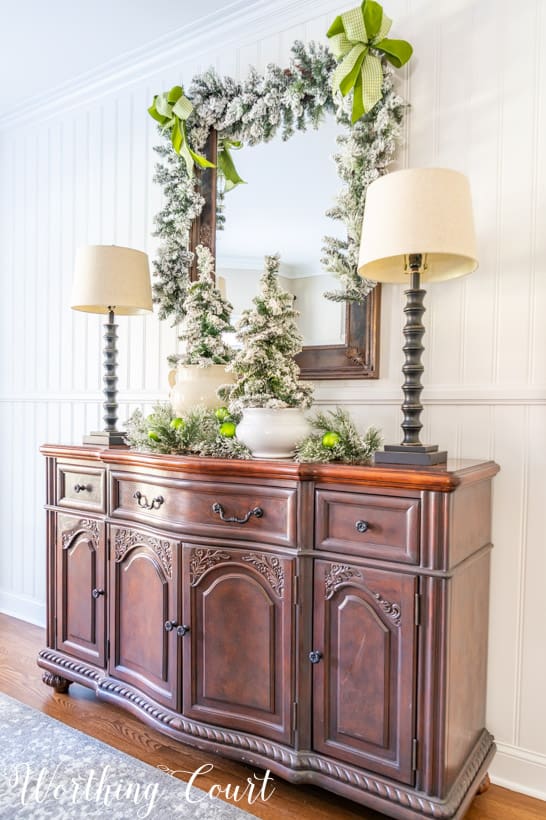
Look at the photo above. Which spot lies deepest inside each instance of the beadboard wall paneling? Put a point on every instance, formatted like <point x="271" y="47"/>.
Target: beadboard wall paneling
<point x="79" y="170"/>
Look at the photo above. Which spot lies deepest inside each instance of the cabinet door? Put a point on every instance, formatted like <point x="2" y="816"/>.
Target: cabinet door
<point x="364" y="667"/>
<point x="238" y="657"/>
<point x="80" y="588"/>
<point x="144" y="613"/>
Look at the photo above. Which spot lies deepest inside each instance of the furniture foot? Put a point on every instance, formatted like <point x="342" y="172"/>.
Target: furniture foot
<point x="57" y="682"/>
<point x="484" y="785"/>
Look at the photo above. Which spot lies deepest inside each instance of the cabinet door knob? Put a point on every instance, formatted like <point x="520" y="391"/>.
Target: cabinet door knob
<point x="362" y="526"/>
<point x="182" y="630"/>
<point x="257" y="512"/>
<point x="142" y="501"/>
<point x="97" y="593"/>
<point x="170" y="625"/>
<point x="315" y="656"/>
<point x="80" y="488"/>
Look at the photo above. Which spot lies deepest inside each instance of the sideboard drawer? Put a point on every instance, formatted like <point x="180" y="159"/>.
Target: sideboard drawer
<point x="221" y="510"/>
<point x="80" y="487"/>
<point x="375" y="526"/>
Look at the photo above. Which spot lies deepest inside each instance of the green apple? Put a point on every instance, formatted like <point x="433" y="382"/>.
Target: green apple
<point x="227" y="429"/>
<point x="177" y="423"/>
<point x="221" y="413"/>
<point x="330" y="439"/>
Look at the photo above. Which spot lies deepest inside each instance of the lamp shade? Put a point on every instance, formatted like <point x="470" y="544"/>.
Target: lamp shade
<point x="424" y="211"/>
<point x="108" y="276"/>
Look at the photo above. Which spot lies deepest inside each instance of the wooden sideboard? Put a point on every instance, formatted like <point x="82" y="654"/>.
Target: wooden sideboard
<point x="326" y="622"/>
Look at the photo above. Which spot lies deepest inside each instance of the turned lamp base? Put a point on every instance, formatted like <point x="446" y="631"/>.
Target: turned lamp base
<point x="411" y="451"/>
<point x="109" y="437"/>
<point x="422" y="455"/>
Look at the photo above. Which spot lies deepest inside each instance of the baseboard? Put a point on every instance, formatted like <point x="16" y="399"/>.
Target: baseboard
<point x="22" y="607"/>
<point x="519" y="770"/>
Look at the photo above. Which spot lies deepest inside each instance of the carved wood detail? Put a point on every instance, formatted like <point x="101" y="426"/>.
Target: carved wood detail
<point x="84" y="524"/>
<point x="392" y="610"/>
<point x="303" y="762"/>
<point x="58" y="683"/>
<point x="127" y="539"/>
<point x="270" y="567"/>
<point x="202" y="560"/>
<point x="68" y="666"/>
<point x="341" y="573"/>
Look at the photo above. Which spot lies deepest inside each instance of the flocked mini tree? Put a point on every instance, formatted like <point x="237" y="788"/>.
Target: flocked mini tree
<point x="266" y="373"/>
<point x="207" y="319"/>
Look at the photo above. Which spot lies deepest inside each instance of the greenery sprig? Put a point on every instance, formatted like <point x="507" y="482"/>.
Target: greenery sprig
<point x="336" y="438"/>
<point x="198" y="432"/>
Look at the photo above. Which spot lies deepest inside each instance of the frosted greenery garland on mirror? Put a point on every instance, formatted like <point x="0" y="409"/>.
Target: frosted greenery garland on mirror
<point x="254" y="111"/>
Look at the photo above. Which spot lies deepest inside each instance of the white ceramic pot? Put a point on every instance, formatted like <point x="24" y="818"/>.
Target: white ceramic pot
<point x="194" y="386"/>
<point x="272" y="432"/>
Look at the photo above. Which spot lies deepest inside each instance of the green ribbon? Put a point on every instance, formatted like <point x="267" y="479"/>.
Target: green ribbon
<point x="226" y="166"/>
<point x="352" y="35"/>
<point x="171" y="110"/>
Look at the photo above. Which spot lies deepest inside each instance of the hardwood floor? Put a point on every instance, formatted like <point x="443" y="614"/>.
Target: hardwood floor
<point x="21" y="679"/>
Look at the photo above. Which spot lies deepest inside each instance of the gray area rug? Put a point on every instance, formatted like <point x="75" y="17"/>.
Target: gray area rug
<point x="49" y="770"/>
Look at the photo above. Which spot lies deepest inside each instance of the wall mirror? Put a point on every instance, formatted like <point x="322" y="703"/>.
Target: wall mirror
<point x="291" y="184"/>
<point x="290" y="123"/>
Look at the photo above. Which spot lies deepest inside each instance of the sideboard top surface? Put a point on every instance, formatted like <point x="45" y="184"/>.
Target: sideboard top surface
<point x="441" y="478"/>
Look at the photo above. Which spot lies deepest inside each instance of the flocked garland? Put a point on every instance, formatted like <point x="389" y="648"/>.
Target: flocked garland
<point x="214" y="433"/>
<point x="198" y="432"/>
<point x="254" y="111"/>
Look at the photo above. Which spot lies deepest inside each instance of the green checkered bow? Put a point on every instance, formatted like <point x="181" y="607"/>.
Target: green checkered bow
<point x="353" y="35"/>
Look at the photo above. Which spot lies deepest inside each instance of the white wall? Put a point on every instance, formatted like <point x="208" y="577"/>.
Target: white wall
<point x="80" y="171"/>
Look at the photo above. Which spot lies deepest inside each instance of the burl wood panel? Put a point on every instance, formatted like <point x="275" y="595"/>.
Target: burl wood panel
<point x="364" y="627"/>
<point x="392" y="525"/>
<point x="81" y="566"/>
<point x="189" y="504"/>
<point x="238" y="606"/>
<point x="144" y="597"/>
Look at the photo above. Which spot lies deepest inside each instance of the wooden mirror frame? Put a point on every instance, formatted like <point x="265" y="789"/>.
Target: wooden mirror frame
<point x="358" y="357"/>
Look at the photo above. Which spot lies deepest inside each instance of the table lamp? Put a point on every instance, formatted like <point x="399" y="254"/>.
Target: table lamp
<point x="418" y="226"/>
<point x="110" y="279"/>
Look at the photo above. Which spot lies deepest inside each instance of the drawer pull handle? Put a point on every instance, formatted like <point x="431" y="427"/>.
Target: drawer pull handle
<point x="362" y="526"/>
<point x="257" y="512"/>
<point x="80" y="488"/>
<point x="142" y="501"/>
<point x="97" y="593"/>
<point x="170" y="625"/>
<point x="182" y="630"/>
<point x="315" y="656"/>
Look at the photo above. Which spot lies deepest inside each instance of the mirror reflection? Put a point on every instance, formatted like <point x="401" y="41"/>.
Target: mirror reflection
<point x="282" y="209"/>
